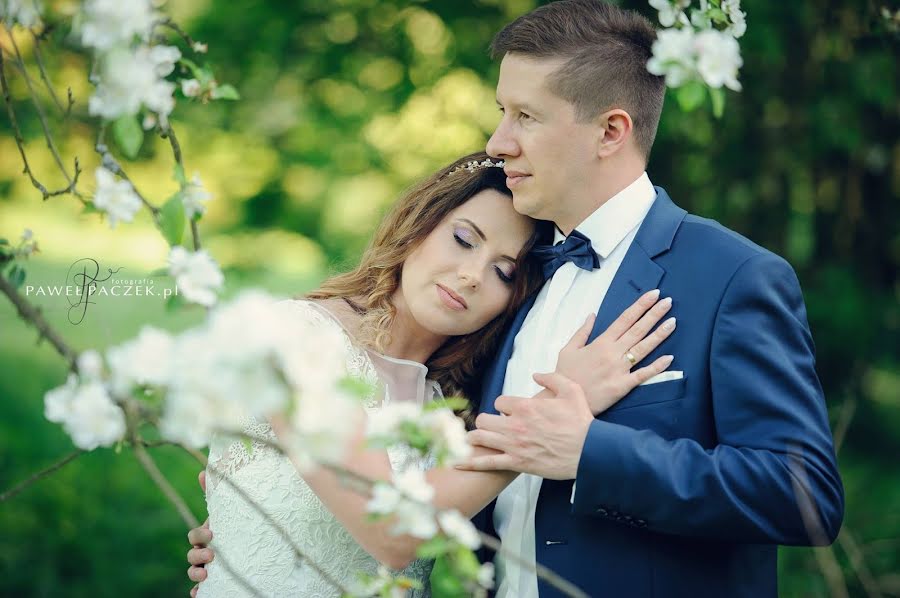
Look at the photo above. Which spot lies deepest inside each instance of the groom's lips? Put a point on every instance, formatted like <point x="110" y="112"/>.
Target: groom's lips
<point x="514" y="177"/>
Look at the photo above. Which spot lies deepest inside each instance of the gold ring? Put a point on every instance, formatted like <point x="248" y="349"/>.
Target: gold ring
<point x="630" y="357"/>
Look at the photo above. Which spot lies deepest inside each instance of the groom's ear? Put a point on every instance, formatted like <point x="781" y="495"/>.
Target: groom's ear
<point x="614" y="128"/>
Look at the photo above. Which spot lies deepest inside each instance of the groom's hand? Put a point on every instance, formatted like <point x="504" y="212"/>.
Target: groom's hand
<point x="540" y="436"/>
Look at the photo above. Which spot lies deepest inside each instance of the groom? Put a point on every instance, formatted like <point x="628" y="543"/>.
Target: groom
<point x="686" y="486"/>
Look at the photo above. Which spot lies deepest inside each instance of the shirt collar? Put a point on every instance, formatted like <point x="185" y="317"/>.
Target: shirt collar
<point x="611" y="222"/>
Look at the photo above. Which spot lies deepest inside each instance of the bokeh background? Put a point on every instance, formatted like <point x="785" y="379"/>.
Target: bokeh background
<point x="345" y="103"/>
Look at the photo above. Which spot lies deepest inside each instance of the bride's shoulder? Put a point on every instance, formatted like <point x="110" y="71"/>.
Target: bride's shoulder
<point x="311" y="313"/>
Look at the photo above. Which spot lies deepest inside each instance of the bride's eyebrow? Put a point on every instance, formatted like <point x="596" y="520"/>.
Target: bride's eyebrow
<point x="483" y="238"/>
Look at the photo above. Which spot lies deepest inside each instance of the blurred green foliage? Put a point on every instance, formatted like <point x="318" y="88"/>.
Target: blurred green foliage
<point x="344" y="103"/>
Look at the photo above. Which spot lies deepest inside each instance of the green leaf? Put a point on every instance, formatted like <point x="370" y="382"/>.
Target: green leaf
<point x="357" y="387"/>
<point x="718" y="101"/>
<point x="4" y="242"/>
<point x="466" y="563"/>
<point x="191" y="65"/>
<point x="451" y="403"/>
<point x="444" y="581"/>
<point x="690" y="95"/>
<point x="159" y="272"/>
<point x="174" y="303"/>
<point x="225" y="92"/>
<point x="171" y="220"/>
<point x="16" y="275"/>
<point x="129" y="135"/>
<point x="718" y="16"/>
<point x="248" y="444"/>
<point x="90" y="208"/>
<point x="434" y="547"/>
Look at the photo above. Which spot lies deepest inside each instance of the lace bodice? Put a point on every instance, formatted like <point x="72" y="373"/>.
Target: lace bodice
<point x="250" y="545"/>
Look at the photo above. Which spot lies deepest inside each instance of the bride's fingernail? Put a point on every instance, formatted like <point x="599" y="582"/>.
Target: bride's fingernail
<point x="669" y="324"/>
<point x="654" y="295"/>
<point x="668" y="359"/>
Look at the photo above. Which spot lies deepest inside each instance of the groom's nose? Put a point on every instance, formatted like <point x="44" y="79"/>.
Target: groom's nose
<point x="502" y="144"/>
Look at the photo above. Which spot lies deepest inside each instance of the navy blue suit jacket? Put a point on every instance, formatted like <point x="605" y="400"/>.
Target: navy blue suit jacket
<point x="686" y="487"/>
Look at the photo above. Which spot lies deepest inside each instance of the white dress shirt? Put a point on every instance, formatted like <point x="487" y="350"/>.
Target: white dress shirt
<point x="560" y="309"/>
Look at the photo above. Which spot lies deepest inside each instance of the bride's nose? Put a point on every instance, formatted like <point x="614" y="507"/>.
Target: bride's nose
<point x="469" y="276"/>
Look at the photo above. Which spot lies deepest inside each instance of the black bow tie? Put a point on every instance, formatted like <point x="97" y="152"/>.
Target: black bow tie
<point x="576" y="248"/>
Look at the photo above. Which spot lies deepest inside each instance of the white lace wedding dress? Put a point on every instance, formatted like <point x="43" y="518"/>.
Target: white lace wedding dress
<point x="254" y="548"/>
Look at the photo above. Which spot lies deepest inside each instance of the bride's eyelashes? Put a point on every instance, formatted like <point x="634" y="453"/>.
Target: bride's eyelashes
<point x="461" y="234"/>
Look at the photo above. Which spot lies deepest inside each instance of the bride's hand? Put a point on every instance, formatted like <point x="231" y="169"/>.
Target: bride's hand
<point x="602" y="368"/>
<point x="200" y="555"/>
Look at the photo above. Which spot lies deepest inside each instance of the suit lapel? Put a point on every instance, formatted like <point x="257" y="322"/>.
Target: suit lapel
<point x="638" y="273"/>
<point x="496" y="372"/>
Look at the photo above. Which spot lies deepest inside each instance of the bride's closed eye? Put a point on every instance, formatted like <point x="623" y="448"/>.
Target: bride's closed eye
<point x="465" y="239"/>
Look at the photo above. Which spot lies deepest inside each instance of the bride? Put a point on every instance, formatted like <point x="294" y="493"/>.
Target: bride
<point x="421" y="315"/>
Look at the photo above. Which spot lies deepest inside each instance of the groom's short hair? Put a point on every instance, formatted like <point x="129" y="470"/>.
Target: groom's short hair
<point x="606" y="49"/>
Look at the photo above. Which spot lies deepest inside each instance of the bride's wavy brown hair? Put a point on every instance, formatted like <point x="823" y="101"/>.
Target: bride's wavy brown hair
<point x="372" y="284"/>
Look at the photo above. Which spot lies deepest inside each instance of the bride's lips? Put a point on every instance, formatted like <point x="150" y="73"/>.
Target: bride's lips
<point x="451" y="299"/>
<point x="515" y="177"/>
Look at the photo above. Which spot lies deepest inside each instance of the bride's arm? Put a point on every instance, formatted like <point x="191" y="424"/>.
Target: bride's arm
<point x="466" y="491"/>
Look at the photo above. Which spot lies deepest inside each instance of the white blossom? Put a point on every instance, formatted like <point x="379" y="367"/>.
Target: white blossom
<point x="719" y="58"/>
<point x="669" y="11"/>
<point x="384" y="422"/>
<point x="130" y="80"/>
<point x="145" y="360"/>
<point x="116" y="198"/>
<point x="27" y="235"/>
<point x="90" y="365"/>
<point x="459" y="528"/>
<point x="26" y="13"/>
<point x="196" y="274"/>
<point x="190" y="87"/>
<point x="58" y="400"/>
<point x="738" y="19"/>
<point x="673" y="53"/>
<point x="408" y="498"/>
<point x="93" y="419"/>
<point x="164" y="59"/>
<point x="236" y="366"/>
<point x="412" y="484"/>
<point x="383" y="581"/>
<point x="449" y="436"/>
<point x="109" y="23"/>
<point x="86" y="412"/>
<point x="486" y="575"/>
<point x="195" y="197"/>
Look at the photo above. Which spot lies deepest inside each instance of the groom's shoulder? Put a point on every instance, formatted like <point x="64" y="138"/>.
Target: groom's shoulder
<point x="711" y="241"/>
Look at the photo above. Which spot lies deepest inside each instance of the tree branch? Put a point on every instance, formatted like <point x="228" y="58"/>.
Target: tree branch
<point x="40" y="475"/>
<point x="169" y="133"/>
<point x="48" y="137"/>
<point x="156" y="475"/>
<point x="111" y="164"/>
<point x="40" y="62"/>
<point x="32" y="314"/>
<point x="20" y="142"/>
<point x="363" y="485"/>
<point x="858" y="562"/>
